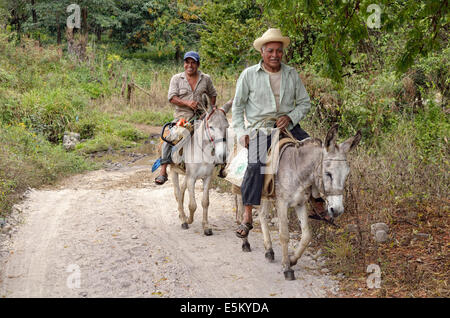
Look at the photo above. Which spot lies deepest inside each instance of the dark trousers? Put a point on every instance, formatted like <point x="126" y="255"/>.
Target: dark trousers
<point x="252" y="184"/>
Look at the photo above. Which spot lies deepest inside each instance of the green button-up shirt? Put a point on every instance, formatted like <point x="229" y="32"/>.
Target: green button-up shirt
<point x="254" y="99"/>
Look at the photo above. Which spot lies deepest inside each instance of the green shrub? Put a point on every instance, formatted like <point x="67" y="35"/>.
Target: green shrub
<point x="28" y="160"/>
<point x="86" y="130"/>
<point x="49" y="112"/>
<point x="153" y="118"/>
<point x="102" y="142"/>
<point x="437" y="71"/>
<point x="131" y="134"/>
<point x="432" y="128"/>
<point x="8" y="105"/>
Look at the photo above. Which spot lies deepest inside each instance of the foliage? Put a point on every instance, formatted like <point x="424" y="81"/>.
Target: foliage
<point x="28" y="160"/>
<point x="132" y="16"/>
<point x="335" y="34"/>
<point x="152" y="118"/>
<point x="230" y="29"/>
<point x="437" y="71"/>
<point x="158" y="24"/>
<point x="432" y="129"/>
<point x="338" y="37"/>
<point x="49" y="112"/>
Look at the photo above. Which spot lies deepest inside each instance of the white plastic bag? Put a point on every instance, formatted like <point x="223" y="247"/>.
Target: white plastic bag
<point x="238" y="165"/>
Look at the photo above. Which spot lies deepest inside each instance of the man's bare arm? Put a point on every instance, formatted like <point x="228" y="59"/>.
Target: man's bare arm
<point x="186" y="103"/>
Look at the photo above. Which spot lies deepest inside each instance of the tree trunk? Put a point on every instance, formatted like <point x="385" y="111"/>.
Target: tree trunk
<point x="59" y="35"/>
<point x="58" y="31"/>
<point x="84" y="24"/>
<point x="177" y="54"/>
<point x="33" y="11"/>
<point x="99" y="34"/>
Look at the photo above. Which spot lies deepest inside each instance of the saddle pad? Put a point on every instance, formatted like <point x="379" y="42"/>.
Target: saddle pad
<point x="272" y="165"/>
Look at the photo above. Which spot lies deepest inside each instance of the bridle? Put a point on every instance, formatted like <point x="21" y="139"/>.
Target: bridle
<point x="208" y="128"/>
<point x="324" y="194"/>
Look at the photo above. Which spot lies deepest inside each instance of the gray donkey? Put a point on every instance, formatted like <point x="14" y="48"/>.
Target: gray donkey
<point x="201" y="153"/>
<point x="308" y="169"/>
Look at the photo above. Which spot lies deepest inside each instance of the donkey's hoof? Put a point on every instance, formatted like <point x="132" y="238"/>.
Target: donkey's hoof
<point x="184" y="226"/>
<point x="246" y="247"/>
<point x="289" y="274"/>
<point x="208" y="232"/>
<point x="270" y="255"/>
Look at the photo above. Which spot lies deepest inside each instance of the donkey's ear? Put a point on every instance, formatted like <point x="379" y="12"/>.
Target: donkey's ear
<point x="206" y="102"/>
<point x="351" y="142"/>
<point x="330" y="140"/>
<point x="227" y="106"/>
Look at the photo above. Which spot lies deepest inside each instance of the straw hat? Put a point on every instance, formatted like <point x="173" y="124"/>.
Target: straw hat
<point x="271" y="35"/>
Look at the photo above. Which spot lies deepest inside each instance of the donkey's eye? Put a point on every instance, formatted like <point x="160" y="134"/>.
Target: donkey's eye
<point x="328" y="175"/>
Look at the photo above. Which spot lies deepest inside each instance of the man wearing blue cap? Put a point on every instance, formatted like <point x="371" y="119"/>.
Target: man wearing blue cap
<point x="185" y="92"/>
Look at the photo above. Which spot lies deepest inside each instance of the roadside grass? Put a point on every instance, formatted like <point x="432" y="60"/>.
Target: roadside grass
<point x="148" y="117"/>
<point x="396" y="183"/>
<point x="29" y="160"/>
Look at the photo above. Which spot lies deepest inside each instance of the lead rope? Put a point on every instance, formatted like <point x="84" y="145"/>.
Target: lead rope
<point x="285" y="130"/>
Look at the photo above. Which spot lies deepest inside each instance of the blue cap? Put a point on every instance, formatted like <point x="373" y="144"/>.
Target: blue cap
<point x="193" y="55"/>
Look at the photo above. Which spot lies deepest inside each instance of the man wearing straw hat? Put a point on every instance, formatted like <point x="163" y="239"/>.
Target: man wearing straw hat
<point x="269" y="89"/>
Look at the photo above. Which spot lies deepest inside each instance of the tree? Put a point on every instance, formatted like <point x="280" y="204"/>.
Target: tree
<point x="341" y="27"/>
<point x="230" y="29"/>
<point x="131" y="26"/>
<point x="17" y="13"/>
<point x="339" y="37"/>
<point x="3" y="12"/>
<point x="99" y="15"/>
<point x="174" y="23"/>
<point x="163" y="24"/>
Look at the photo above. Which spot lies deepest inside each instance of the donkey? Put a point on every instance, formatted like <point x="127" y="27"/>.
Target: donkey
<point x="310" y="169"/>
<point x="201" y="152"/>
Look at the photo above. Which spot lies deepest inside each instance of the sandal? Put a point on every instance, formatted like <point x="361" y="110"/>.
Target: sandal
<point x="161" y="180"/>
<point x="246" y="227"/>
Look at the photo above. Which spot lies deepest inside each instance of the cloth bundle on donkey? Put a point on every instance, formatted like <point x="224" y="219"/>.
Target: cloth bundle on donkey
<point x="176" y="136"/>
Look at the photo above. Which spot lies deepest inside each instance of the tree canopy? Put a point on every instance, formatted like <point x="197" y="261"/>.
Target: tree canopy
<point x="339" y="37"/>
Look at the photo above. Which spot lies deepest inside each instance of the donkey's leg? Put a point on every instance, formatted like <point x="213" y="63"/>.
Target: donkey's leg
<point x="282" y="209"/>
<point x="192" y="204"/>
<point x="263" y="214"/>
<point x="179" y="196"/>
<point x="205" y="204"/>
<point x="306" y="233"/>
<point x="183" y="192"/>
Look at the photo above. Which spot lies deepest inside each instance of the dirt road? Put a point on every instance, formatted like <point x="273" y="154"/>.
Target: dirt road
<point x="116" y="234"/>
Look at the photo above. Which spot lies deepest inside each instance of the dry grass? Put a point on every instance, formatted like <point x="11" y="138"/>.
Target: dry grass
<point x="392" y="186"/>
<point x="152" y="94"/>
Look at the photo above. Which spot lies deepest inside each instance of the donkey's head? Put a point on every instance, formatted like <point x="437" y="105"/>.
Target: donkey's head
<point x="216" y="130"/>
<point x="335" y="170"/>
